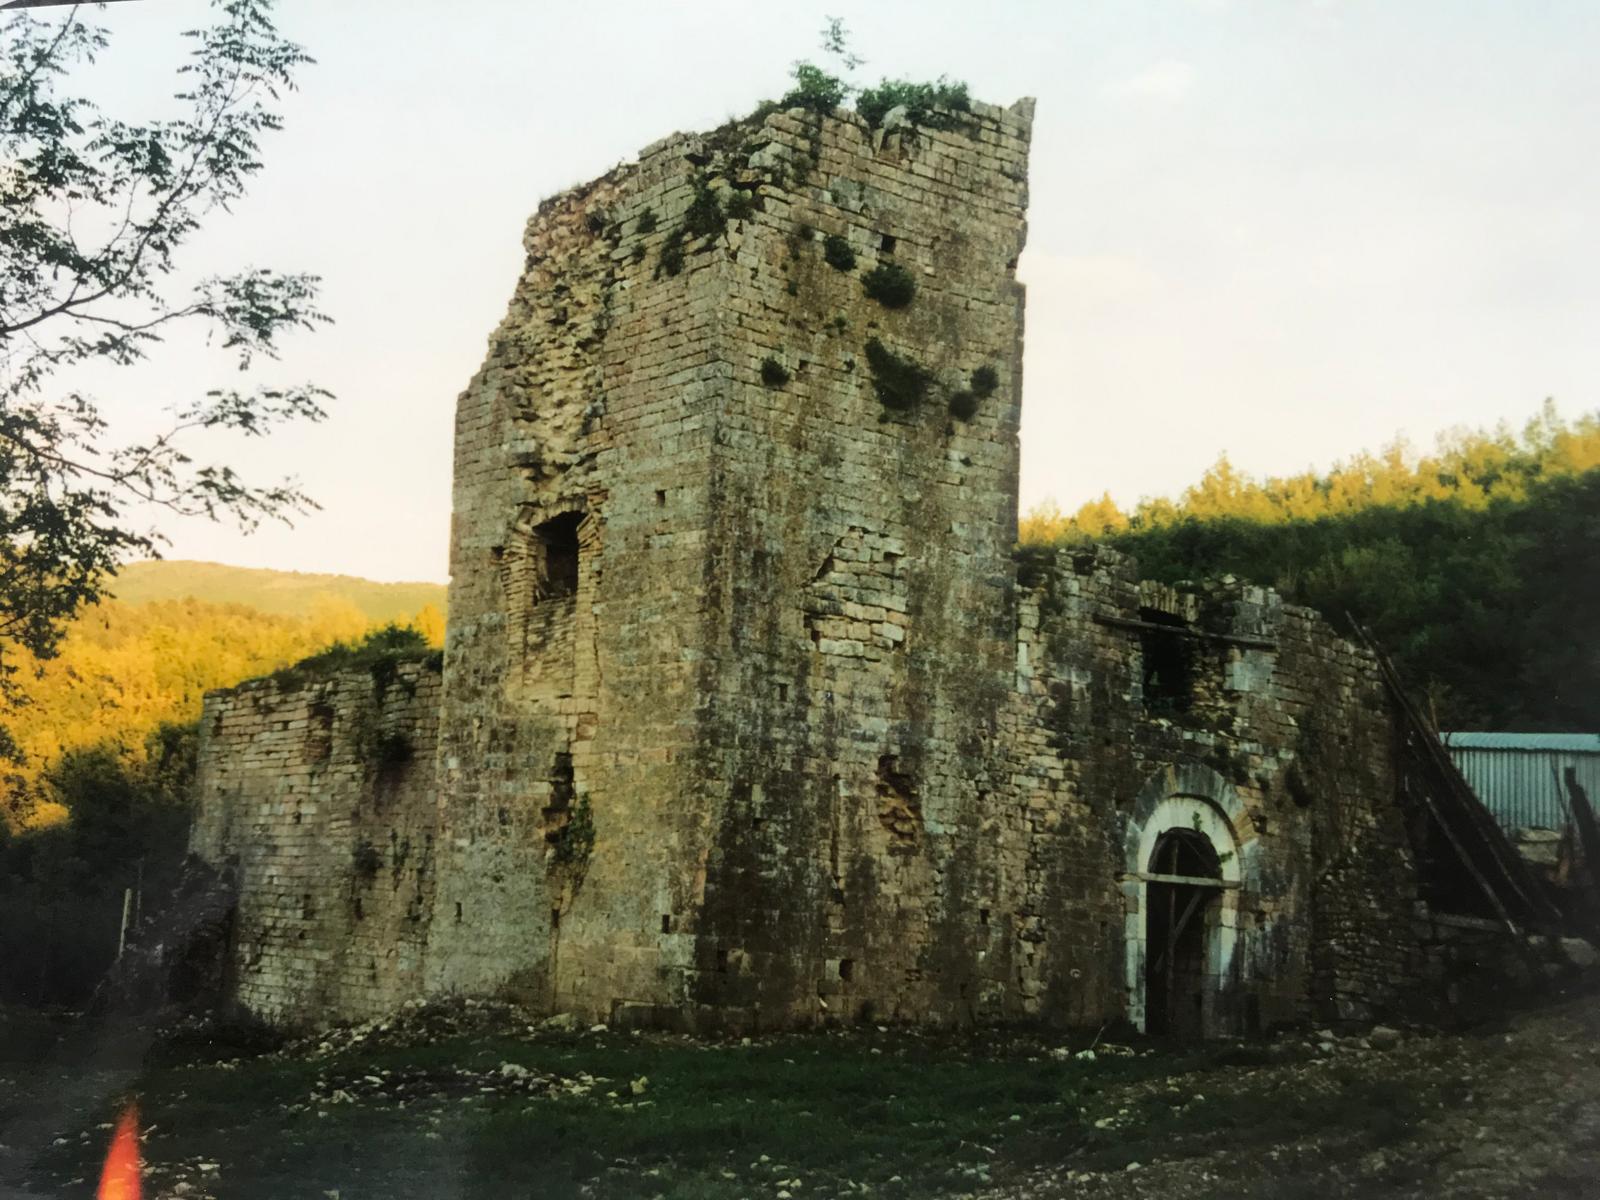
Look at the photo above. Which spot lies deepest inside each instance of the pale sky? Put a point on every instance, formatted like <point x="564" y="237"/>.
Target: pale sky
<point x="1287" y="229"/>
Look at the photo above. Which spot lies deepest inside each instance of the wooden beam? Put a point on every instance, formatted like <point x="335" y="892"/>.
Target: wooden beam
<point x="1200" y="881"/>
<point x="1203" y="635"/>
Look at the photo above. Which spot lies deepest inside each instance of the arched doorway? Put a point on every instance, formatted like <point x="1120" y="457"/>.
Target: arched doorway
<point x="1183" y="906"/>
<point x="1189" y="856"/>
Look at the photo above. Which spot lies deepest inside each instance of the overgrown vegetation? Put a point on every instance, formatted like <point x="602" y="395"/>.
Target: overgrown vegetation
<point x="821" y="91"/>
<point x="1475" y="566"/>
<point x="836" y="252"/>
<point x="890" y="284"/>
<point x="379" y="652"/>
<point x="931" y="104"/>
<point x="704" y="215"/>
<point x="984" y="382"/>
<point x="646" y="222"/>
<point x="815" y="90"/>
<point x="963" y="405"/>
<point x="899" y="383"/>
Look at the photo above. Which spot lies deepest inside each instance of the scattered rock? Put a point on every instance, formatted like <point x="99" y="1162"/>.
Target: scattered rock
<point x="1579" y="953"/>
<point x="1383" y="1037"/>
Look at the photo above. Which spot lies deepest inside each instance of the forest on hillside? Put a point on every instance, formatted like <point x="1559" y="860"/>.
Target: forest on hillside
<point x="1476" y="566"/>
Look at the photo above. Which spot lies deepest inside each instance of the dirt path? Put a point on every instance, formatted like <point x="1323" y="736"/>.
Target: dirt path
<point x="1509" y="1112"/>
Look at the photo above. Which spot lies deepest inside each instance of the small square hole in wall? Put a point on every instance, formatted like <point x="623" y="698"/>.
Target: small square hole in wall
<point x="722" y="961"/>
<point x="555" y="918"/>
<point x="458" y="912"/>
<point x="666" y="922"/>
<point x="983" y="916"/>
<point x="783" y="691"/>
<point x="847" y="969"/>
<point x="661" y="498"/>
<point x="887" y="242"/>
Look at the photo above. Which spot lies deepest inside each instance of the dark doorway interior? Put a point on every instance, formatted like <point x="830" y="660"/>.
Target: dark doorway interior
<point x="1179" y="918"/>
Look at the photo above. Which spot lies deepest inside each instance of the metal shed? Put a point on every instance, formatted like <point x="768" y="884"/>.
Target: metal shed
<point x="1518" y="775"/>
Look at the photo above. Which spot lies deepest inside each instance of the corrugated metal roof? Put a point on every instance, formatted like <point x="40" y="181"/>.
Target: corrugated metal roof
<point x="1519" y="776"/>
<point x="1569" y="743"/>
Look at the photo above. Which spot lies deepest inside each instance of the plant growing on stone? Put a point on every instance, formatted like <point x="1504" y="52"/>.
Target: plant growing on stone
<point x="815" y="89"/>
<point x="741" y="206"/>
<point x="923" y="102"/>
<point x="646" y="222"/>
<point x="984" y="382"/>
<point x="704" y="216"/>
<point x="773" y="373"/>
<point x="366" y="859"/>
<point x="836" y="252"/>
<point x="890" y="284"/>
<point x="574" y="842"/>
<point x="899" y="383"/>
<point x="671" y="260"/>
<point x="963" y="405"/>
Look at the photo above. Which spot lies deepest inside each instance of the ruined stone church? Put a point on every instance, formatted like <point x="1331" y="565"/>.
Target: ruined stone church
<point x="751" y="714"/>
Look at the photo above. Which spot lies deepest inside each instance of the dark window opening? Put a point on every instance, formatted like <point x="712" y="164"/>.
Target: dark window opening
<point x="666" y="922"/>
<point x="887" y="242"/>
<point x="1168" y="663"/>
<point x="661" y="499"/>
<point x="847" y="969"/>
<point x="559" y="537"/>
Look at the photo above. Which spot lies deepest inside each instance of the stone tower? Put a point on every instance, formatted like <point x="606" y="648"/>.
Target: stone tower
<point x="732" y="607"/>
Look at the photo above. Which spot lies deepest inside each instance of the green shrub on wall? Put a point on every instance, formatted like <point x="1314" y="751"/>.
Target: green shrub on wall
<point x="890" y="284"/>
<point x="899" y="383"/>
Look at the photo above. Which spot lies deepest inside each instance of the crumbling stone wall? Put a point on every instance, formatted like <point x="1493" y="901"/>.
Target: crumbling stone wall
<point x="1276" y="736"/>
<point x="319" y="792"/>
<point x="750" y="714"/>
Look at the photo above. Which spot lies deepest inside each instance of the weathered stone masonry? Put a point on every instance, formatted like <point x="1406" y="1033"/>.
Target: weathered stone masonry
<point x="321" y="794"/>
<point x="748" y="714"/>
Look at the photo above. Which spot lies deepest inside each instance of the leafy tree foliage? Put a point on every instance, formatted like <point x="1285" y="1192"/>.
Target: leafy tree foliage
<point x="125" y="670"/>
<point x="94" y="212"/>
<point x="61" y="889"/>
<point x="1476" y="567"/>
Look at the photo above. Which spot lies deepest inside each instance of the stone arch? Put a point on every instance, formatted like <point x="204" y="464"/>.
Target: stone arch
<point x="1194" y="799"/>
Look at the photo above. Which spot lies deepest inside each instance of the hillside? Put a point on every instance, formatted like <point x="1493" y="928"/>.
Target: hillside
<point x="133" y="664"/>
<point x="284" y="593"/>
